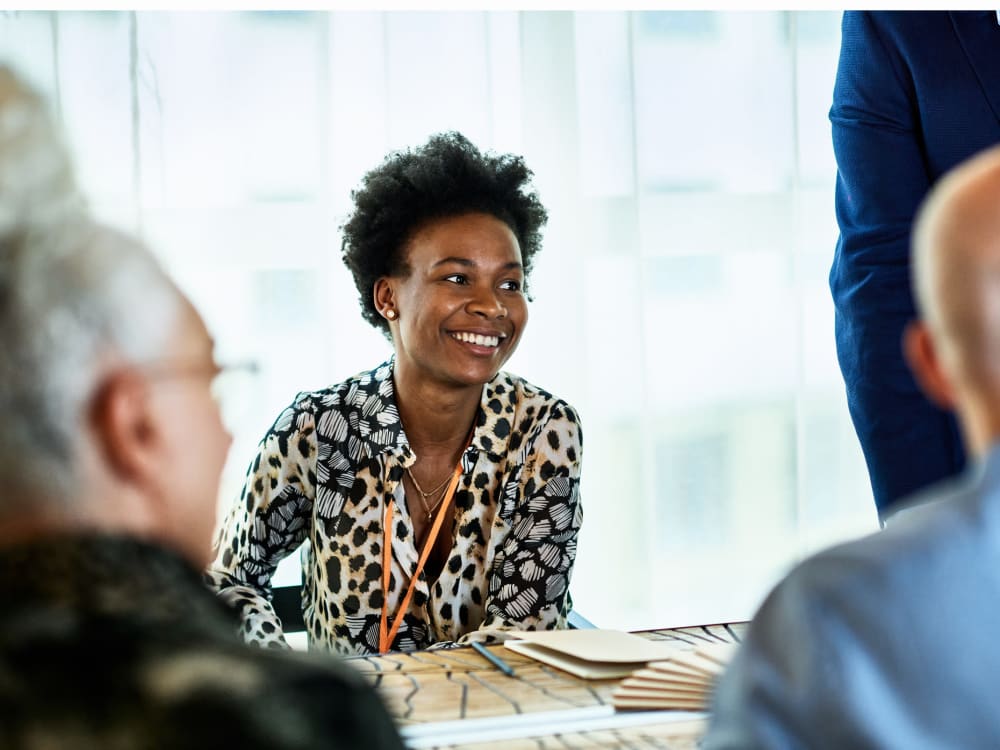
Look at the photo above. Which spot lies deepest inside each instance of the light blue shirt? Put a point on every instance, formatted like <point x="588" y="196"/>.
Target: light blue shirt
<point x="891" y="641"/>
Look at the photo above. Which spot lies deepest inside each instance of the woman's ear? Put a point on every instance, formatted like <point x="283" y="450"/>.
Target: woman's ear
<point x="922" y="357"/>
<point x="385" y="298"/>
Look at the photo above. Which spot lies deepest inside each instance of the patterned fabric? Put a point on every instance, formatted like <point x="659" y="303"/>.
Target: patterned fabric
<point x="112" y="643"/>
<point x="324" y="473"/>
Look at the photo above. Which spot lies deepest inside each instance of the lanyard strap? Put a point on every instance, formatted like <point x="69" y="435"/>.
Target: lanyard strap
<point x="385" y="636"/>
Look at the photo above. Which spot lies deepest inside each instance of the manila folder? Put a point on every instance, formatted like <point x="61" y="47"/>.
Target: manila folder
<point x="590" y="654"/>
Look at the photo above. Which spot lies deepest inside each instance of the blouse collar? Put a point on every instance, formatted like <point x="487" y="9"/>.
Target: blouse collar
<point x="493" y="418"/>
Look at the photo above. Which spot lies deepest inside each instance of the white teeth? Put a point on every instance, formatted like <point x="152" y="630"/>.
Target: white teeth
<point x="477" y="339"/>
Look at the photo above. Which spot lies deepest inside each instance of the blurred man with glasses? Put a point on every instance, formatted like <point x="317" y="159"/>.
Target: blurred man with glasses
<point x="111" y="449"/>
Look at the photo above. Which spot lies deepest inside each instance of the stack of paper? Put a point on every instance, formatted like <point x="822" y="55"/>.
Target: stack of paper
<point x="590" y="654"/>
<point x="684" y="681"/>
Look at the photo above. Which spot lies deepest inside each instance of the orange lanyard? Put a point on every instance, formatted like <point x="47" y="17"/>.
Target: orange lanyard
<point x="386" y="636"/>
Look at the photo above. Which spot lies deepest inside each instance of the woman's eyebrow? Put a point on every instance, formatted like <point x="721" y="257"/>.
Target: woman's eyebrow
<point x="468" y="263"/>
<point x="452" y="259"/>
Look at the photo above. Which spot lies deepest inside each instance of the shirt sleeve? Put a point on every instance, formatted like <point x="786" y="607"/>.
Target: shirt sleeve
<point x="269" y="521"/>
<point x="529" y="580"/>
<point x="882" y="176"/>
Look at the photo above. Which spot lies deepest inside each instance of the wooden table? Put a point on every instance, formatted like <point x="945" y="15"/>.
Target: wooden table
<point x="456" y="694"/>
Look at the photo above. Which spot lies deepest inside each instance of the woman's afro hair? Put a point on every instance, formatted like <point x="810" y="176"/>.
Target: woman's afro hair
<point x="448" y="176"/>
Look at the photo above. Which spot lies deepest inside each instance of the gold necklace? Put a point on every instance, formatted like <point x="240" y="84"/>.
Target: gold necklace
<point x="420" y="489"/>
<point x="429" y="510"/>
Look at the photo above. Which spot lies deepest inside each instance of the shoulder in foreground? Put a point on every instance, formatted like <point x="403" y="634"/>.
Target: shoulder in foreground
<point x="278" y="694"/>
<point x="947" y="522"/>
<point x="952" y="512"/>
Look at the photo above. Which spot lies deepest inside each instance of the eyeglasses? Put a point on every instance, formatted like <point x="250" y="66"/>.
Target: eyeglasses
<point x="231" y="384"/>
<point x="217" y="372"/>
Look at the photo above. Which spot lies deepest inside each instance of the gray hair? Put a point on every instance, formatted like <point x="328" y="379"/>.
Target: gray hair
<point x="37" y="184"/>
<point x="74" y="295"/>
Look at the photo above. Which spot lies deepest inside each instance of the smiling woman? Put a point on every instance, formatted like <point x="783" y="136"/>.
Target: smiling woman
<point x="440" y="243"/>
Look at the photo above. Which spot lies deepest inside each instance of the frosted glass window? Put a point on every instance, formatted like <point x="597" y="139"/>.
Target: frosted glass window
<point x="681" y="300"/>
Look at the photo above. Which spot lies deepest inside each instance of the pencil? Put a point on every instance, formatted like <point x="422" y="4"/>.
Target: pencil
<point x="493" y="659"/>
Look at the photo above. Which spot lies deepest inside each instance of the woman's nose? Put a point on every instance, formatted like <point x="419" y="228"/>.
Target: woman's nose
<point x="488" y="304"/>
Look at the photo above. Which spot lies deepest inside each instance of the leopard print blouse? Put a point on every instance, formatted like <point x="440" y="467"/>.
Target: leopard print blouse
<point x="324" y="473"/>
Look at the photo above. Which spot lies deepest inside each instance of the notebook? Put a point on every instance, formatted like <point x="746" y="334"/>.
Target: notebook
<point x="684" y="681"/>
<point x="590" y="654"/>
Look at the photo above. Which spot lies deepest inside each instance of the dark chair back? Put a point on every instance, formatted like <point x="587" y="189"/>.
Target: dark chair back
<point x="287" y="603"/>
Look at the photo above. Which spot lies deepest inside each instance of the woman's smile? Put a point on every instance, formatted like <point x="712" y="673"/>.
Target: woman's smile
<point x="479" y="342"/>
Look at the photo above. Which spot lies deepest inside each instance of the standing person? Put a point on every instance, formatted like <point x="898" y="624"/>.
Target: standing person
<point x="890" y="641"/>
<point x="916" y="93"/>
<point x="439" y="495"/>
<point x="111" y="450"/>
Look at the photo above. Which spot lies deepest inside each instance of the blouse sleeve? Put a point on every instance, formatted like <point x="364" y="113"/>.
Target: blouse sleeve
<point x="268" y="523"/>
<point x="529" y="580"/>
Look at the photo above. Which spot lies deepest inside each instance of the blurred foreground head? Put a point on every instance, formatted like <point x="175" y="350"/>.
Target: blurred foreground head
<point x="105" y="367"/>
<point x="954" y="349"/>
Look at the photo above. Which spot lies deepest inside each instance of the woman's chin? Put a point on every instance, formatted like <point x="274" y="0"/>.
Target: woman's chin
<point x="454" y="370"/>
<point x="469" y="376"/>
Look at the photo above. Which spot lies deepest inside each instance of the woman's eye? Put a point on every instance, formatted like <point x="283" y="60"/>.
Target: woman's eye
<point x="456" y="278"/>
<point x="511" y="285"/>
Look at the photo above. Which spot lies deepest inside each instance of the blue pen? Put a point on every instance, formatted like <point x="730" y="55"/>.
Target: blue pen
<point x="493" y="659"/>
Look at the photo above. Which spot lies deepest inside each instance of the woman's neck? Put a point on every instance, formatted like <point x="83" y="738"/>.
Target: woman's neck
<point x="435" y="417"/>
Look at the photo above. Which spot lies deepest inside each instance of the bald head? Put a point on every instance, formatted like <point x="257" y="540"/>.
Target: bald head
<point x="954" y="350"/>
<point x="957" y="266"/>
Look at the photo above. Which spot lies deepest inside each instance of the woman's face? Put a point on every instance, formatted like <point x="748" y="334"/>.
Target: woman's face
<point x="461" y="309"/>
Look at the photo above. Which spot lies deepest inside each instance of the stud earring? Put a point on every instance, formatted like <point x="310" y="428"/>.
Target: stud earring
<point x="390" y="314"/>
